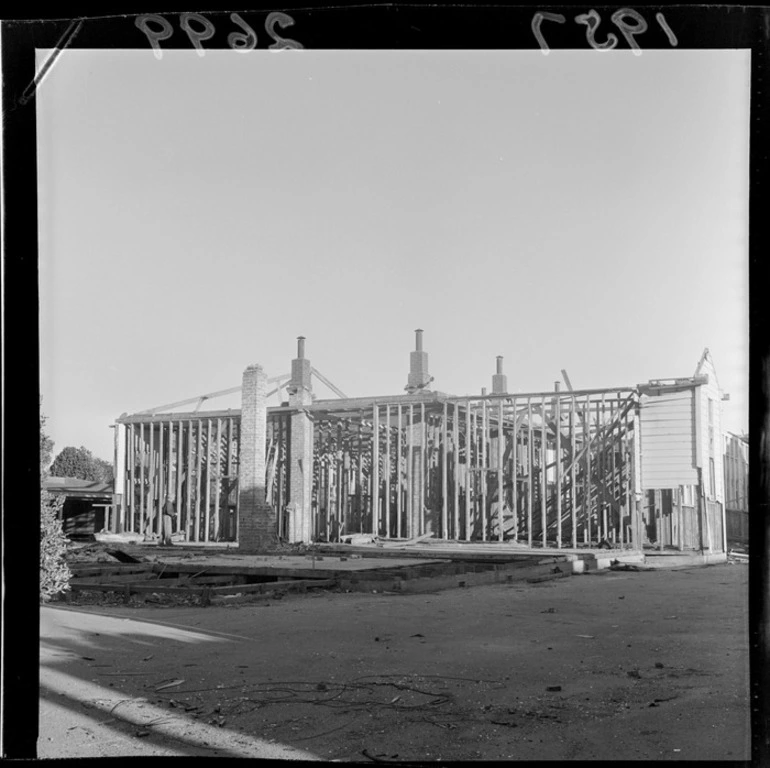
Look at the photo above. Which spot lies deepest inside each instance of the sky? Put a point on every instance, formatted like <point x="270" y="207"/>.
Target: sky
<point x="583" y="210"/>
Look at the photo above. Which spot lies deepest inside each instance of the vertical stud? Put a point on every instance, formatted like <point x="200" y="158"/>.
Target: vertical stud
<point x="530" y="471"/>
<point x="557" y="420"/>
<point x="444" y="475"/>
<point x="198" y="458"/>
<point x="573" y="473"/>
<point x="188" y="485"/>
<point x="387" y="472"/>
<point x="543" y="473"/>
<point x="375" y="527"/>
<point x="424" y="470"/>
<point x="456" y="473"/>
<point x="501" y="468"/>
<point x="469" y="439"/>
<point x="399" y="494"/>
<point x="483" y="476"/>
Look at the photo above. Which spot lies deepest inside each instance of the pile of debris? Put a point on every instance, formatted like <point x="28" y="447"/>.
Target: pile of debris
<point x="738" y="556"/>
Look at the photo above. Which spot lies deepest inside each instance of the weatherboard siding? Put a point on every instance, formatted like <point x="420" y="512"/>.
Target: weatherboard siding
<point x="667" y="440"/>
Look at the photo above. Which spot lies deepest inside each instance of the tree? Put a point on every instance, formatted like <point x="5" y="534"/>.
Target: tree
<point x="82" y="464"/>
<point x="54" y="572"/>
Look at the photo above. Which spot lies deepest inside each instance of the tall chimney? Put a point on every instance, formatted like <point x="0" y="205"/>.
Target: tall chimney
<point x="499" y="380"/>
<point x="419" y="377"/>
<point x="300" y="386"/>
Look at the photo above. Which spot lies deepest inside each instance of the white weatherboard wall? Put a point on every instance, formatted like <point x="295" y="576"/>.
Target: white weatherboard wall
<point x="711" y="439"/>
<point x="667" y="440"/>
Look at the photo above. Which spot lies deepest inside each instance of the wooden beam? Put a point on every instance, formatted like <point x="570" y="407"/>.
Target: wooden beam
<point x="483" y="474"/>
<point x="614" y="487"/>
<point x="188" y="486"/>
<point x="557" y="418"/>
<point x="573" y="473"/>
<point x="456" y="461"/>
<point x="399" y="495"/>
<point x="543" y="473"/>
<point x="387" y="472"/>
<point x="469" y="438"/>
<point x="179" y="471"/>
<point x="207" y="507"/>
<point x="218" y="481"/>
<point x="425" y="465"/>
<point x="409" y="479"/>
<point x="587" y="484"/>
<point x="151" y="489"/>
<point x="375" y="470"/>
<point x="603" y="467"/>
<point x="132" y="496"/>
<point x="444" y="474"/>
<point x="531" y="471"/>
<point x="197" y="520"/>
<point x="331" y="386"/>
<point x="501" y="468"/>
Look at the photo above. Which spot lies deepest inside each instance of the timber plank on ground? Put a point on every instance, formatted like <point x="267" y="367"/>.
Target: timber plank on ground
<point x="191" y="588"/>
<point x="439" y="553"/>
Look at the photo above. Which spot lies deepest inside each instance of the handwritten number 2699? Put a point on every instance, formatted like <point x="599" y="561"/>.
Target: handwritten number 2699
<point x="238" y="41"/>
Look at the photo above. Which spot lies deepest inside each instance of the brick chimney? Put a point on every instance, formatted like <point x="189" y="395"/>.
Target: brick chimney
<point x="419" y="377"/>
<point x="499" y="380"/>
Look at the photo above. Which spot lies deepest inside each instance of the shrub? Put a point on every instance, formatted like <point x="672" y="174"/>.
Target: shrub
<point x="54" y="572"/>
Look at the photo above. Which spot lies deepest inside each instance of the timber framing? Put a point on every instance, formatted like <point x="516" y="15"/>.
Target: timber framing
<point x="543" y="469"/>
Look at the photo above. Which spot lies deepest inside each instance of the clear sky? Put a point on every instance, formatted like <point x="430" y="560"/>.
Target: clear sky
<point x="583" y="210"/>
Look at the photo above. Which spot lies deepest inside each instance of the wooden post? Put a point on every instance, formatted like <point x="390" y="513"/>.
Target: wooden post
<point x="483" y="473"/>
<point x="444" y="478"/>
<point x="424" y="469"/>
<point x="573" y="473"/>
<point x="387" y="471"/>
<point x="230" y="473"/>
<point x="629" y="474"/>
<point x="161" y="478"/>
<point x="179" y="471"/>
<point x="600" y="468"/>
<point x="189" y="482"/>
<point x="207" y="505"/>
<point x="399" y="495"/>
<point x="172" y="469"/>
<point x="360" y="495"/>
<point x="332" y="473"/>
<point x="132" y="475"/>
<point x="468" y="449"/>
<point x="637" y="480"/>
<point x="143" y="489"/>
<point x="218" y="481"/>
<point x="409" y="477"/>
<point x="500" y="456"/>
<point x="557" y="419"/>
<point x="375" y="470"/>
<point x="615" y="498"/>
<point x="588" y="485"/>
<point x="544" y="473"/>
<point x="514" y="471"/>
<point x="153" y="483"/>
<point x="456" y="457"/>
<point x="530" y="471"/>
<point x="337" y="472"/>
<point x="198" y="461"/>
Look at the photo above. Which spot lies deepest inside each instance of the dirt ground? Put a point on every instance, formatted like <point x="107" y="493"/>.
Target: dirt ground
<point x="644" y="665"/>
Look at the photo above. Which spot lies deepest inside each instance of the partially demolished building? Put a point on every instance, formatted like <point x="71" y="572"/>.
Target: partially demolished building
<point x="629" y="466"/>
